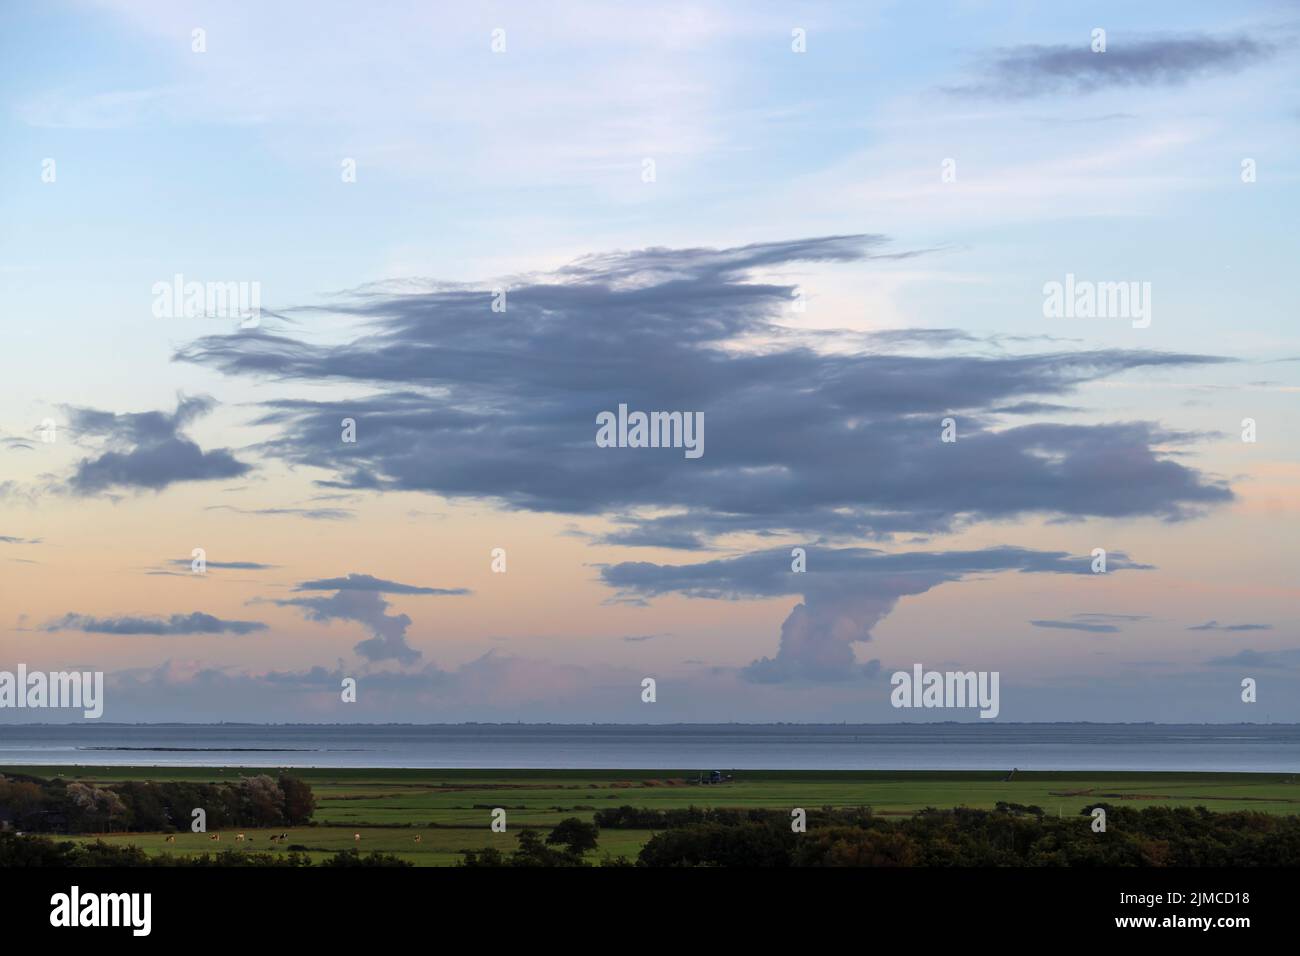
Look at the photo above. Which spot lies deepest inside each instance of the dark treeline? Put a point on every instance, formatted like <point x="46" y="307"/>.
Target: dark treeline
<point x="644" y="818"/>
<point x="35" y="805"/>
<point x="1010" y="835"/>
<point x="28" y="851"/>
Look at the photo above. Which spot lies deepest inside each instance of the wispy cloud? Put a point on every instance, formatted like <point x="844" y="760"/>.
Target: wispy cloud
<point x="1035" y="70"/>
<point x="176" y="624"/>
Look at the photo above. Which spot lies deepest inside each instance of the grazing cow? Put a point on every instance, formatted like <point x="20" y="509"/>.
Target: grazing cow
<point x="419" y="838"/>
<point x="356" y="838"/>
<point x="239" y="838"/>
<point x="215" y="836"/>
<point x="171" y="839"/>
<point x="274" y="838"/>
<point x="284" y="836"/>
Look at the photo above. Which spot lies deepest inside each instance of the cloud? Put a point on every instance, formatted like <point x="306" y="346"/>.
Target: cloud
<point x="224" y="565"/>
<point x="358" y="597"/>
<point x="846" y="592"/>
<point x="311" y="514"/>
<point x="194" y="623"/>
<point x="467" y="403"/>
<point x="1216" y="626"/>
<point x="1033" y="70"/>
<point x="1270" y="660"/>
<point x="10" y="539"/>
<point x="366" y="582"/>
<point x="1078" y="626"/>
<point x="147" y="450"/>
<point x="1095" y="622"/>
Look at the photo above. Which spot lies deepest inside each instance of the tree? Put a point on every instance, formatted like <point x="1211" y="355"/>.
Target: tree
<point x="299" y="801"/>
<point x="578" y="835"/>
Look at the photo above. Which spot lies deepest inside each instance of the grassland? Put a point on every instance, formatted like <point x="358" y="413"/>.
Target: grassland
<point x="451" y="809"/>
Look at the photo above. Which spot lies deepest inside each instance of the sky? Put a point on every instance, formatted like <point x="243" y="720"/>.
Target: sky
<point x="433" y="243"/>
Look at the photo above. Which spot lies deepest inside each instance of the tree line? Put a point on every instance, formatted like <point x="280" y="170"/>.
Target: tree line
<point x="36" y="805"/>
<point x="1009" y="835"/>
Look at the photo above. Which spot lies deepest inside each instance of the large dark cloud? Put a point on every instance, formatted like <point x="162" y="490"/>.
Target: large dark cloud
<point x="147" y="450"/>
<point x="359" y="597"/>
<point x="1034" y="70"/>
<point x="193" y="623"/>
<point x="472" y="403"/>
<point x="845" y="591"/>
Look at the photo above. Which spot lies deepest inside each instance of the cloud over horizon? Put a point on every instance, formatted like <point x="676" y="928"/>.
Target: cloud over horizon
<point x="846" y="592"/>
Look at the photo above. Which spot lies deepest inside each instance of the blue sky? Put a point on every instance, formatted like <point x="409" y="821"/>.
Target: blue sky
<point x="477" y="169"/>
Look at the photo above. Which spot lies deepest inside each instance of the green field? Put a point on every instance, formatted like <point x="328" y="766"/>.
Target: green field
<point x="451" y="809"/>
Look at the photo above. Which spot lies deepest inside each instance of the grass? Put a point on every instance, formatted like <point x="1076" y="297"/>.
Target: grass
<point x="451" y="809"/>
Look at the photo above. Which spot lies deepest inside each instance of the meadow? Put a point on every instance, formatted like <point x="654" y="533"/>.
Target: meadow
<point x="451" y="810"/>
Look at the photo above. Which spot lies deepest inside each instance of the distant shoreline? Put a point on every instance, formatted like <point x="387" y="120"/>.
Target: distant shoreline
<point x="660" y="726"/>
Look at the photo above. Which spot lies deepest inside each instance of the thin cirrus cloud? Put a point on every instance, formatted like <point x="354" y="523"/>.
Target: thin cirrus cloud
<point x="367" y="582"/>
<point x="311" y="514"/>
<point x="1271" y="660"/>
<point x="467" y="403"/>
<point x="224" y="565"/>
<point x="359" y="598"/>
<point x="147" y="450"/>
<point x="1216" y="626"/>
<point x="1037" y="70"/>
<point x="1092" y="621"/>
<point x="846" y="592"/>
<point x="196" y="622"/>
<point x="1078" y="626"/>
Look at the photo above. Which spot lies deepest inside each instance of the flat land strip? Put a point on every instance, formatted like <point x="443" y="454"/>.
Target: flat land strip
<point x="450" y="810"/>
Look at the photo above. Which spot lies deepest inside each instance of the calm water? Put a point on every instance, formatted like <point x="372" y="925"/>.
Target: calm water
<point x="972" y="746"/>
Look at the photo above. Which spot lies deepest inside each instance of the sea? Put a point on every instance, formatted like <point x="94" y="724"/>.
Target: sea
<point x="916" y="746"/>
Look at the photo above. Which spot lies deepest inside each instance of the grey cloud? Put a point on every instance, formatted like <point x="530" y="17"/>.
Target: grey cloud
<point x="1078" y="626"/>
<point x="1269" y="660"/>
<point x="366" y="582"/>
<point x="846" y="592"/>
<point x="147" y="450"/>
<point x="225" y="565"/>
<point x="311" y="514"/>
<point x="194" y="623"/>
<point x="502" y="407"/>
<point x="1036" y="70"/>
<point x="1095" y="622"/>
<point x="358" y="597"/>
<point x="1216" y="626"/>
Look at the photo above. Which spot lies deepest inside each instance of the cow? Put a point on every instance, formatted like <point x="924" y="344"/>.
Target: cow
<point x="356" y="838"/>
<point x="171" y="839"/>
<point x="239" y="838"/>
<point x="215" y="836"/>
<point x="419" y="838"/>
